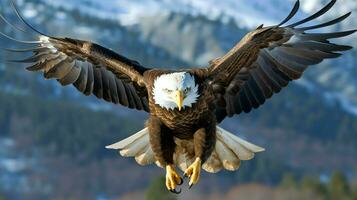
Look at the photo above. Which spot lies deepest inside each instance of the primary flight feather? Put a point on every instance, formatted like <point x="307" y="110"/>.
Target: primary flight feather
<point x="186" y="106"/>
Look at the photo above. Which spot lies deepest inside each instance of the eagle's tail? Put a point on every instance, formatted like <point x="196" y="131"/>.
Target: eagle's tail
<point x="138" y="146"/>
<point x="228" y="153"/>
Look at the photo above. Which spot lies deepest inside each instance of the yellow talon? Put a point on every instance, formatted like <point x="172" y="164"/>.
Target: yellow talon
<point x="172" y="179"/>
<point x="193" y="172"/>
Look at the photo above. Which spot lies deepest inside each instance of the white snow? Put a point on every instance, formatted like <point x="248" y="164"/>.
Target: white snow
<point x="246" y="13"/>
<point x="29" y="13"/>
<point x="331" y="98"/>
<point x="7" y="163"/>
<point x="306" y="84"/>
<point x="12" y="165"/>
<point x="345" y="103"/>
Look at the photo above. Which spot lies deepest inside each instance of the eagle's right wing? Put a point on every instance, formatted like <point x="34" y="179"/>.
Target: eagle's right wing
<point x="267" y="59"/>
<point x="91" y="68"/>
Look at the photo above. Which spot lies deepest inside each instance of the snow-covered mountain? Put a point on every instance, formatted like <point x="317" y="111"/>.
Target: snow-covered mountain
<point x="246" y="13"/>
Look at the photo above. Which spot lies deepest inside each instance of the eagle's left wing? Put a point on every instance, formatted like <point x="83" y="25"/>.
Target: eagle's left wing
<point x="91" y="68"/>
<point x="267" y="59"/>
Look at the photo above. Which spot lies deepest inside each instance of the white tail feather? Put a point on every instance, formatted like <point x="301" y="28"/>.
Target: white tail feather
<point x="248" y="145"/>
<point x="213" y="163"/>
<point x="146" y="157"/>
<point x="138" y="146"/>
<point x="227" y="154"/>
<point x="123" y="143"/>
<point x="228" y="158"/>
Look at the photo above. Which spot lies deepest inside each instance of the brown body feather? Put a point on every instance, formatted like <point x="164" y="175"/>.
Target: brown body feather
<point x="197" y="123"/>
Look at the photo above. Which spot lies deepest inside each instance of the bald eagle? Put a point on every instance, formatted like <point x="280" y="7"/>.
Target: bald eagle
<point x="186" y="105"/>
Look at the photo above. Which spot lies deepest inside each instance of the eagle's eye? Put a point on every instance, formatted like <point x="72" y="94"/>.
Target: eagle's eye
<point x="187" y="90"/>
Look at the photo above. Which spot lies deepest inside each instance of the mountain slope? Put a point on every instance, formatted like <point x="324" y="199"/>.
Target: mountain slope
<point x="304" y="129"/>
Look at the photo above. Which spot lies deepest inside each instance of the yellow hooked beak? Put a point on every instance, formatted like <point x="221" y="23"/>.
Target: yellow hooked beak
<point x="179" y="99"/>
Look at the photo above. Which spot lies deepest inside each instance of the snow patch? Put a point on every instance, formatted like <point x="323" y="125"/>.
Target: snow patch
<point x="346" y="104"/>
<point x="128" y="12"/>
<point x="12" y="165"/>
<point x="306" y="84"/>
<point x="30" y="13"/>
<point x="331" y="98"/>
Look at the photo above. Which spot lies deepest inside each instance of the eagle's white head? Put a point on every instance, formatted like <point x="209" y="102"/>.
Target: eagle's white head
<point x="175" y="90"/>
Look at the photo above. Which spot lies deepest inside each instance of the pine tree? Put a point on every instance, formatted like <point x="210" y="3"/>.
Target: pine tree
<point x="288" y="181"/>
<point x="338" y="186"/>
<point x="313" y="184"/>
<point x="157" y="191"/>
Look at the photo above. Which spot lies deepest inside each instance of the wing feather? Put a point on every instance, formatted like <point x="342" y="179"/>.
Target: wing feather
<point x="123" y="99"/>
<point x="81" y="82"/>
<point x="91" y="68"/>
<point x="70" y="77"/>
<point x="90" y="81"/>
<point x="98" y="83"/>
<point x="316" y="15"/>
<point x="113" y="90"/>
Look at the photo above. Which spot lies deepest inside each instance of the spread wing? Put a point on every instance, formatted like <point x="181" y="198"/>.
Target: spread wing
<point x="91" y="68"/>
<point x="267" y="59"/>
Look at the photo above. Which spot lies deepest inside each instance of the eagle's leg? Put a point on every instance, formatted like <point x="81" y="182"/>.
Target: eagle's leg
<point x="173" y="179"/>
<point x="163" y="146"/>
<point x="204" y="142"/>
<point x="194" y="171"/>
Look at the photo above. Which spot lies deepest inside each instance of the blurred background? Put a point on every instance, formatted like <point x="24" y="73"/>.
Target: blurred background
<point x="52" y="139"/>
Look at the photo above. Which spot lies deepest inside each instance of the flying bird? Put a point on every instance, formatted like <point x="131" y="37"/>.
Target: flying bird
<point x="187" y="105"/>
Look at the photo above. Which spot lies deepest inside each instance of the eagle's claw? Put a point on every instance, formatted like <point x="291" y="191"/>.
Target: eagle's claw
<point x="175" y="191"/>
<point x="172" y="179"/>
<point x="193" y="172"/>
<point x="181" y="181"/>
